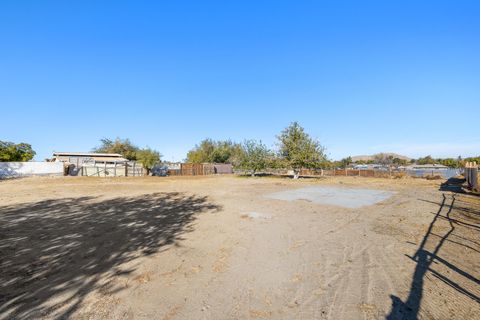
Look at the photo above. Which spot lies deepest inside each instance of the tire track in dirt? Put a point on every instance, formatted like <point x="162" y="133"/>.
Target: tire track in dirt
<point x="340" y="284"/>
<point x="352" y="285"/>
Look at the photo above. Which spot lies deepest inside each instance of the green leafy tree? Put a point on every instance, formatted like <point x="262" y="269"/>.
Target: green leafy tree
<point x="202" y="152"/>
<point x="276" y="162"/>
<point x="255" y="156"/>
<point x="365" y="162"/>
<point x="426" y="160"/>
<point x="10" y="151"/>
<point x="148" y="158"/>
<point x="299" y="150"/>
<point x="121" y="146"/>
<point x="227" y="152"/>
<point x="345" y="162"/>
<point x="449" y="162"/>
<point x="210" y="151"/>
<point x="399" y="162"/>
<point x="472" y="159"/>
<point x="328" y="164"/>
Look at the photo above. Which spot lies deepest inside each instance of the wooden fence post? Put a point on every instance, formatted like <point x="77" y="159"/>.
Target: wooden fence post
<point x="474" y="174"/>
<point x="475" y="178"/>
<point x="466" y="173"/>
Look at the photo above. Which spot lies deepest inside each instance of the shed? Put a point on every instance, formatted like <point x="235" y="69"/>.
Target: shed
<point x="79" y="158"/>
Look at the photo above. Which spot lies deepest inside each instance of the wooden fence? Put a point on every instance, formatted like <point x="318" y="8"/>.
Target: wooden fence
<point x="471" y="175"/>
<point x="200" y="169"/>
<point x="372" y="173"/>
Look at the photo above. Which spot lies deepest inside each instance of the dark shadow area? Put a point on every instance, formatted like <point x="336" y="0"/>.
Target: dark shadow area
<point x="453" y="185"/>
<point x="458" y="185"/>
<point x="465" y="213"/>
<point x="65" y="248"/>
<point x="257" y="174"/>
<point x="8" y="173"/>
<point x="426" y="255"/>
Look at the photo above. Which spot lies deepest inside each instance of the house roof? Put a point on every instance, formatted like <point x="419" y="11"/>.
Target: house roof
<point x="87" y="154"/>
<point x="109" y="159"/>
<point x="422" y="166"/>
<point x="98" y="157"/>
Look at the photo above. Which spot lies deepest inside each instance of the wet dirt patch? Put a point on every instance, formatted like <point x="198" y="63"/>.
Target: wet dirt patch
<point x="342" y="197"/>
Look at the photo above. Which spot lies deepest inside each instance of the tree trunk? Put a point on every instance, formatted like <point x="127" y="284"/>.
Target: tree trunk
<point x="296" y="174"/>
<point x="253" y="173"/>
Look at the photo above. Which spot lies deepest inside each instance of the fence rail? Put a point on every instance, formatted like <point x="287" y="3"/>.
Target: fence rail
<point x="97" y="169"/>
<point x="373" y="173"/>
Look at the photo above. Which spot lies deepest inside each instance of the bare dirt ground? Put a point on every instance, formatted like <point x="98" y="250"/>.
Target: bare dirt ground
<point x="219" y="248"/>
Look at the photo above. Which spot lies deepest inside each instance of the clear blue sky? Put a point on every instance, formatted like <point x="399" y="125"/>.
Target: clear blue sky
<point x="361" y="76"/>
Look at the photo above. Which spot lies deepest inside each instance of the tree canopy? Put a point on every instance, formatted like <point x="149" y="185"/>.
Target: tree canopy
<point x="399" y="162"/>
<point x="383" y="159"/>
<point x="345" y="162"/>
<point x="255" y="156"/>
<point x="148" y="158"/>
<point x="10" y="151"/>
<point x="426" y="160"/>
<point x="210" y="151"/>
<point x="298" y="149"/>
<point x="449" y="162"/>
<point x="120" y="146"/>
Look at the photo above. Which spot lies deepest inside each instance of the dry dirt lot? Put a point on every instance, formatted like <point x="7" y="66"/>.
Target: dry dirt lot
<point x="219" y="248"/>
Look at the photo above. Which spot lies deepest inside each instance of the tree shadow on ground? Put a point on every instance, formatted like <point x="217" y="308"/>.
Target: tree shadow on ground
<point x="63" y="249"/>
<point x="428" y="254"/>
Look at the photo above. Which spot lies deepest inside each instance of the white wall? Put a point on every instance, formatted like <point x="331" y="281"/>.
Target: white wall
<point x="15" y="169"/>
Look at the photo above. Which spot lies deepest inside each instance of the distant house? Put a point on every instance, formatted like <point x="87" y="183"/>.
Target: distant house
<point x="427" y="167"/>
<point x="172" y="165"/>
<point x="372" y="166"/>
<point x="361" y="167"/>
<point x="79" y="158"/>
<point x="368" y="158"/>
<point x="98" y="164"/>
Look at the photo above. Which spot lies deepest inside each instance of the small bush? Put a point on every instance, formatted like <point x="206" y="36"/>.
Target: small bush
<point x="433" y="177"/>
<point x="400" y="175"/>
